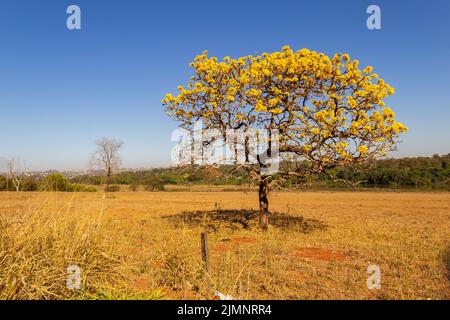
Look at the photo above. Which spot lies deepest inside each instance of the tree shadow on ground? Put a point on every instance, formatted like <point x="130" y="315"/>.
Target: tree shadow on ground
<point x="216" y="220"/>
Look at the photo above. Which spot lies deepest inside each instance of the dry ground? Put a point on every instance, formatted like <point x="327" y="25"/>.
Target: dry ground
<point x="138" y="245"/>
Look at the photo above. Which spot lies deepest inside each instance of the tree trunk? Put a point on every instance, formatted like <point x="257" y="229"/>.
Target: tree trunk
<point x="16" y="184"/>
<point x="108" y="179"/>
<point x="263" y="203"/>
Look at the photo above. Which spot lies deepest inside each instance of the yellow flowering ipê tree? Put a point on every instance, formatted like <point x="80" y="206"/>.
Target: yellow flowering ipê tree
<point x="326" y="110"/>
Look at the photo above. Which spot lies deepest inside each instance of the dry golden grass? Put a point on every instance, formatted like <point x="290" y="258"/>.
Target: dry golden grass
<point x="133" y="250"/>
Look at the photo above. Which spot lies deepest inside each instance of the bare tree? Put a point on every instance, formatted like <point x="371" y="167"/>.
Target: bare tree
<point x="16" y="171"/>
<point x="106" y="157"/>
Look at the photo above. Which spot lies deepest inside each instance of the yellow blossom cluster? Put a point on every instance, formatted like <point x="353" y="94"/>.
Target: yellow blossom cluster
<point x="319" y="104"/>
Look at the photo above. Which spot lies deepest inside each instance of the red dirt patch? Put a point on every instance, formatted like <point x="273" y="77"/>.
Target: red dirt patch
<point x="228" y="244"/>
<point x="318" y="254"/>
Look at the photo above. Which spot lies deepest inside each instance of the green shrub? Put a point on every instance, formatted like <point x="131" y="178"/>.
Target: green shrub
<point x="56" y="182"/>
<point x="155" y="183"/>
<point x="73" y="187"/>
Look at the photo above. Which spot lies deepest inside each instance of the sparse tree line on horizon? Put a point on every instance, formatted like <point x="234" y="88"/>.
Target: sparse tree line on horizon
<point x="419" y="172"/>
<point x="105" y="157"/>
<point x="52" y="182"/>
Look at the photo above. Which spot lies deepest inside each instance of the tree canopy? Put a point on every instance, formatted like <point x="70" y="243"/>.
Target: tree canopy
<point x="326" y="110"/>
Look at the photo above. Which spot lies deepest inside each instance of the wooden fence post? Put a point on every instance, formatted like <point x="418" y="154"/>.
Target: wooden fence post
<point x="205" y="252"/>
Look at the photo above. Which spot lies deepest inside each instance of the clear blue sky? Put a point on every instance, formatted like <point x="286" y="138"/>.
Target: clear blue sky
<point x="61" y="89"/>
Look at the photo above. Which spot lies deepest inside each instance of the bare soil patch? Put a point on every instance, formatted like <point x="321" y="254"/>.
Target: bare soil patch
<point x="319" y="254"/>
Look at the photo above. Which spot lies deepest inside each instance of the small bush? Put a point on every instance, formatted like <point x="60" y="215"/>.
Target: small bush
<point x="56" y="182"/>
<point x="155" y="184"/>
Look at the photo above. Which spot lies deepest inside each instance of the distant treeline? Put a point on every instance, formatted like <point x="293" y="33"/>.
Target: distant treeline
<point x="421" y="173"/>
<point x="52" y="182"/>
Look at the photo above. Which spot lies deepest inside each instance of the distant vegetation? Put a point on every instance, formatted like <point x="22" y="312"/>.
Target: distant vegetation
<point x="420" y="173"/>
<point x="52" y="182"/>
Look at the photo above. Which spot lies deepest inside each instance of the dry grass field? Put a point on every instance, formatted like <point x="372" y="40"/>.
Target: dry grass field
<point x="146" y="245"/>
